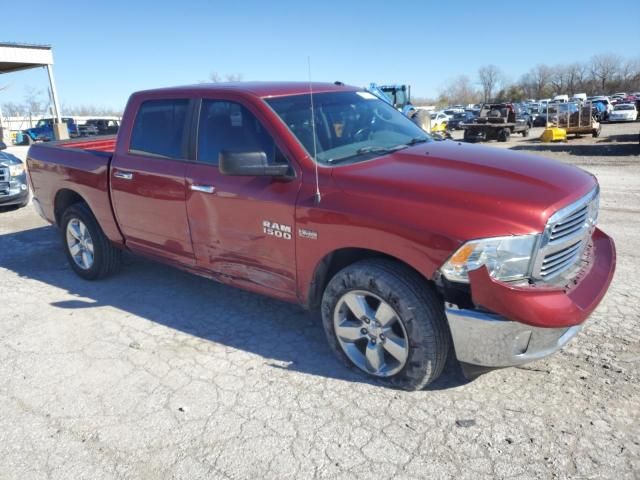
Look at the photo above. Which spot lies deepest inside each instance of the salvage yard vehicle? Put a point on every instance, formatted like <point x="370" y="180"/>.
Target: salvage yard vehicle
<point x="407" y="245"/>
<point x="497" y="121"/>
<point x="43" y="131"/>
<point x="14" y="188"/>
<point x="574" y="118"/>
<point x="104" y="126"/>
<point x="624" y="112"/>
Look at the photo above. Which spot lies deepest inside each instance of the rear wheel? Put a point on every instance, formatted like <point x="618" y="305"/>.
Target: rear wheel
<point x="503" y="135"/>
<point x="525" y="132"/>
<point x="383" y="319"/>
<point x="89" y="252"/>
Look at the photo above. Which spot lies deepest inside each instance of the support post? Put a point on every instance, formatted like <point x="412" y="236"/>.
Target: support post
<point x="60" y="130"/>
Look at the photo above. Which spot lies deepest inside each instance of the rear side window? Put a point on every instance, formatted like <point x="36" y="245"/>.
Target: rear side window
<point x="159" y="129"/>
<point x="229" y="126"/>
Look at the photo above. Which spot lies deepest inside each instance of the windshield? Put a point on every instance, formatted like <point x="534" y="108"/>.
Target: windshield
<point x="43" y="123"/>
<point x="349" y="126"/>
<point x="396" y="95"/>
<point x="624" y="107"/>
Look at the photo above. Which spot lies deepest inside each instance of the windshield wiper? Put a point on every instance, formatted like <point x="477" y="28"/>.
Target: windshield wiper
<point x="415" y="140"/>
<point x="364" y="151"/>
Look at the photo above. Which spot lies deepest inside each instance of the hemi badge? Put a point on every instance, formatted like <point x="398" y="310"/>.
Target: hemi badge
<point x="310" y="234"/>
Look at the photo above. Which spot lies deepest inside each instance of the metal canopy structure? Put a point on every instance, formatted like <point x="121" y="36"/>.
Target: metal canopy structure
<point x="21" y="56"/>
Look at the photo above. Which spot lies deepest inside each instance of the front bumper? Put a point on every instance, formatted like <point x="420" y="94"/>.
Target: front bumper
<point x="489" y="340"/>
<point x="17" y="193"/>
<point x="517" y="324"/>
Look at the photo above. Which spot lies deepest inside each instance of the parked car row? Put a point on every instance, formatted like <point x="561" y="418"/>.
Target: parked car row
<point x="43" y="131"/>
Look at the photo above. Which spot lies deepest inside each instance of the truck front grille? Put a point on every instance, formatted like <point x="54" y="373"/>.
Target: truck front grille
<point x="565" y="236"/>
<point x="5" y="181"/>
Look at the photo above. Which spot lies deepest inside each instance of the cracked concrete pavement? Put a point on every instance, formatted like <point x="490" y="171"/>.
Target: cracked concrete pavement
<point x="155" y="373"/>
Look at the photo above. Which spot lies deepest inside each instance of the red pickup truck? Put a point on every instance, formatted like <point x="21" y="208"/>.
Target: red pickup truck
<point x="335" y="200"/>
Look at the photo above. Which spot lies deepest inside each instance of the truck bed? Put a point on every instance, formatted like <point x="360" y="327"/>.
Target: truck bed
<point x="101" y="144"/>
<point x="82" y="166"/>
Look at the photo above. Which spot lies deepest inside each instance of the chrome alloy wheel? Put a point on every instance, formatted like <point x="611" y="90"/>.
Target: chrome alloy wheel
<point x="371" y="333"/>
<point x="80" y="243"/>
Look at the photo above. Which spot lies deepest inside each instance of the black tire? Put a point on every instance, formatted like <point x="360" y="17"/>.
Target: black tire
<point x="503" y="135"/>
<point x="469" y="136"/>
<point x="596" y="133"/>
<point x="106" y="258"/>
<point x="525" y="132"/>
<point x="27" y="140"/>
<point x="418" y="308"/>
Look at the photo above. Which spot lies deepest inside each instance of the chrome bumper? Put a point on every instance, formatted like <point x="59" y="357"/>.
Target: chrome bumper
<point x="489" y="340"/>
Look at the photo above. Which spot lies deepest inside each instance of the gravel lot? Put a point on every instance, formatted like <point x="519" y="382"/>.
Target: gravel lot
<point x="155" y="373"/>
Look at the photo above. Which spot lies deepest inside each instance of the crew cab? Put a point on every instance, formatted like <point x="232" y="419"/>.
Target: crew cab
<point x="407" y="245"/>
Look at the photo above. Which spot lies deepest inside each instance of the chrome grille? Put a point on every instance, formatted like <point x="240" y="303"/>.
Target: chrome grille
<point x="570" y="225"/>
<point x="4" y="177"/>
<point x="565" y="236"/>
<point x="558" y="261"/>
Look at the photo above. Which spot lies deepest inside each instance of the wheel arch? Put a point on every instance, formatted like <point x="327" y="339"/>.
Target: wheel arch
<point x="64" y="198"/>
<point x="338" y="259"/>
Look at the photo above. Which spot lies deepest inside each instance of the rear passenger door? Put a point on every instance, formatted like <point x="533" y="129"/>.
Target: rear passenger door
<point x="148" y="181"/>
<point x="242" y="227"/>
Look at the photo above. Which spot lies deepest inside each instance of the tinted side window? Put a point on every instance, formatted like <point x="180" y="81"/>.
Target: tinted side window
<point x="159" y="128"/>
<point x="229" y="126"/>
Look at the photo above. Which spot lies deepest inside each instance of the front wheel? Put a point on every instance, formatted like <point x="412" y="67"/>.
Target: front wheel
<point x="525" y="132"/>
<point x="383" y="319"/>
<point x="89" y="252"/>
<point x="596" y="132"/>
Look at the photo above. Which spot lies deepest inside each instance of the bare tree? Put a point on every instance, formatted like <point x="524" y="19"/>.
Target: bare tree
<point x="577" y="78"/>
<point x="34" y="102"/>
<point x="540" y="77"/>
<point x="459" y="91"/>
<point x="233" y="77"/>
<point x="215" y="77"/>
<point x="558" y="78"/>
<point x="11" y="109"/>
<point x="90" y="111"/>
<point x="604" y="68"/>
<point x="489" y="77"/>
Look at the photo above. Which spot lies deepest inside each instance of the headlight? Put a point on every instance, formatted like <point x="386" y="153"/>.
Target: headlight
<point x="16" y="170"/>
<point x="506" y="258"/>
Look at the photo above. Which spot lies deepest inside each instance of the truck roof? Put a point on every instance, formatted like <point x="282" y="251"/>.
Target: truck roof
<point x="259" y="89"/>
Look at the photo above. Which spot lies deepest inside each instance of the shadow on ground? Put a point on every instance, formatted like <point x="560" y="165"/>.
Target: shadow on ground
<point x="214" y="312"/>
<point x="617" y="149"/>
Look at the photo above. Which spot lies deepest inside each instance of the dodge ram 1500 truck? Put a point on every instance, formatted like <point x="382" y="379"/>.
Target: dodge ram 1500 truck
<point x="335" y="200"/>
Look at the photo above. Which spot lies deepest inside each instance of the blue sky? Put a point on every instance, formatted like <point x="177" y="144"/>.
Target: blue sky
<point x="103" y="51"/>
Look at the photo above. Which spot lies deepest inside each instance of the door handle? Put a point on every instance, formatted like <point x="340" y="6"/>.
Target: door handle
<point x="203" y="188"/>
<point x="123" y="175"/>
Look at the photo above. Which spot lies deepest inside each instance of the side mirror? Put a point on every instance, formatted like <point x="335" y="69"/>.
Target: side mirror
<point x="250" y="163"/>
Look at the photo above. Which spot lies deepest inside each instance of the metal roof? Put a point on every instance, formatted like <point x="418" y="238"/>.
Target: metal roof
<point x="21" y="56"/>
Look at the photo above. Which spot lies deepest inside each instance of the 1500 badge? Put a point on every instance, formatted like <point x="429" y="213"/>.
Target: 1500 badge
<point x="277" y="230"/>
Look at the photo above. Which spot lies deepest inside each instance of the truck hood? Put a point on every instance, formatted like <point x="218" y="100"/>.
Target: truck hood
<point x="463" y="190"/>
